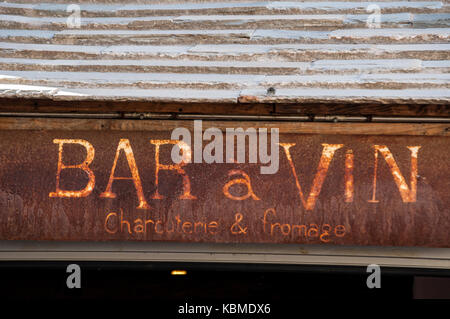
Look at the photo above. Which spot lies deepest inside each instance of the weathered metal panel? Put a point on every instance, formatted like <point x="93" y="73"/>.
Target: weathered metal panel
<point x="403" y="202"/>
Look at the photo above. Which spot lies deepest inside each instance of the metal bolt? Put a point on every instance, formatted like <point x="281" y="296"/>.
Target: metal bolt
<point x="271" y="91"/>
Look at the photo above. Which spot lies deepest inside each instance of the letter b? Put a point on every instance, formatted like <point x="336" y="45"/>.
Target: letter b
<point x="83" y="166"/>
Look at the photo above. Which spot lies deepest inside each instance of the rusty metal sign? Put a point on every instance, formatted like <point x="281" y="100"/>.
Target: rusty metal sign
<point x="123" y="186"/>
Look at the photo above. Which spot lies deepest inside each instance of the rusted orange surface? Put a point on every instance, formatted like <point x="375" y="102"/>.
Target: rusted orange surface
<point x="329" y="189"/>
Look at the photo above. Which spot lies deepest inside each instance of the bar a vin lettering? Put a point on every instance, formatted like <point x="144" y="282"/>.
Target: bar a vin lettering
<point x="407" y="192"/>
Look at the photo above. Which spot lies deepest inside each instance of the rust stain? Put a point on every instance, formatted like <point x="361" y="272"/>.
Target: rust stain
<point x="123" y="185"/>
<point x="248" y="99"/>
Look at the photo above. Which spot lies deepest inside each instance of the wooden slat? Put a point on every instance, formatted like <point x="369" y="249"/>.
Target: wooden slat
<point x="95" y="8"/>
<point x="413" y="129"/>
<point x="307" y="109"/>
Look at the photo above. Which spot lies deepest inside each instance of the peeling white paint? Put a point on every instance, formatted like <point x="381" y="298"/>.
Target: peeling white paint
<point x="223" y="50"/>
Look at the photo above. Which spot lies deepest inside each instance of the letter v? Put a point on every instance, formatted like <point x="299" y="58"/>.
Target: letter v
<point x="325" y="160"/>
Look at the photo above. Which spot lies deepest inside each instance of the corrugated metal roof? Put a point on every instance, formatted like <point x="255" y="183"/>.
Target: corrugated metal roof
<point x="227" y="51"/>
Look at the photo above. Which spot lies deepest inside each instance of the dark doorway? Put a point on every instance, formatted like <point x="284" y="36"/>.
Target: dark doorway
<point x="211" y="283"/>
